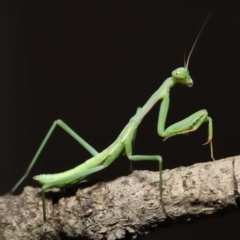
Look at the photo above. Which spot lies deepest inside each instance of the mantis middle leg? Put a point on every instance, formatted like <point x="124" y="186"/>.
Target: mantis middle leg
<point x="128" y="149"/>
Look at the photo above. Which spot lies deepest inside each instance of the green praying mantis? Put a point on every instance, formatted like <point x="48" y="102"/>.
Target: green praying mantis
<point x="124" y="142"/>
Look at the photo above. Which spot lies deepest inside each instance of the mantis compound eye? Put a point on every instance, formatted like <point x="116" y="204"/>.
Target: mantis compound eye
<point x="180" y="73"/>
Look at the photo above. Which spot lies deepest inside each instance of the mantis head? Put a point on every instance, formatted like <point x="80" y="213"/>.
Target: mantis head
<point x="181" y="75"/>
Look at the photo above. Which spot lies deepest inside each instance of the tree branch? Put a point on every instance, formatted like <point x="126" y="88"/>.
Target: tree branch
<point x="127" y="206"/>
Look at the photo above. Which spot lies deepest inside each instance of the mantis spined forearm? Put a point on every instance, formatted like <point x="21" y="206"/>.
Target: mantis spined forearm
<point x="123" y="143"/>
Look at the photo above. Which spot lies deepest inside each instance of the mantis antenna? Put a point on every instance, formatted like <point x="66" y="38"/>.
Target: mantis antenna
<point x="194" y="44"/>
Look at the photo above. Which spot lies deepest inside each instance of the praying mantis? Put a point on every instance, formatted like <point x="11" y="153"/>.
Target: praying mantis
<point x="124" y="142"/>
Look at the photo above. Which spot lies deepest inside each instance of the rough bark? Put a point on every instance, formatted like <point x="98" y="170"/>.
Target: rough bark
<point x="127" y="206"/>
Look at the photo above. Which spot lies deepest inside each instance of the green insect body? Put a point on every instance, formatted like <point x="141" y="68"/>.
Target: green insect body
<point x="124" y="142"/>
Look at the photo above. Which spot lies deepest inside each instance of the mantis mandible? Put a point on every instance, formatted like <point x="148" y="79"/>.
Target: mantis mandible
<point x="123" y="143"/>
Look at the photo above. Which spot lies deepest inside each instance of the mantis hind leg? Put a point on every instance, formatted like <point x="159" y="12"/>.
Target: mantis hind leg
<point x="66" y="128"/>
<point x="67" y="181"/>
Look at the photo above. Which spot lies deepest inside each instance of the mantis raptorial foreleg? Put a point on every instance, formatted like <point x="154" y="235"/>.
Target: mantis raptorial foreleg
<point x="187" y="125"/>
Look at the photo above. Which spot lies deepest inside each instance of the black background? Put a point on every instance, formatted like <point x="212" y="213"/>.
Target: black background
<point x="92" y="64"/>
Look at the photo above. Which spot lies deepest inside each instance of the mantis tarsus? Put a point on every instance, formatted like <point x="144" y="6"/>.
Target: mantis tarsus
<point x="124" y="141"/>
